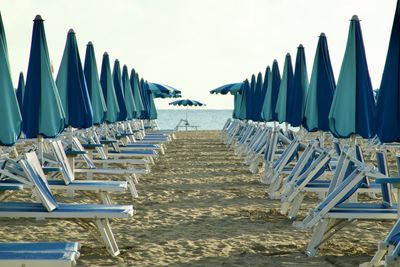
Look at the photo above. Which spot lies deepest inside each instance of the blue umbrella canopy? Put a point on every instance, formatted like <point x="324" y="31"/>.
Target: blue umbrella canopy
<point x="10" y="116"/>
<point x="119" y="91"/>
<point x="20" y="89"/>
<point x="271" y="96"/>
<point x="321" y="90"/>
<point x="243" y="101"/>
<point x="128" y="94"/>
<point x="251" y="99"/>
<point x="145" y="99"/>
<point x="158" y="88"/>
<point x="261" y="99"/>
<point x="186" y="102"/>
<point x="136" y="94"/>
<point x="285" y="91"/>
<point x="300" y="86"/>
<point x="42" y="110"/>
<point x="99" y="106"/>
<point x="150" y="98"/>
<point x="227" y="88"/>
<point x="258" y="100"/>
<point x="388" y="106"/>
<point x="265" y="108"/>
<point x="107" y="85"/>
<point x="353" y="105"/>
<point x="72" y="88"/>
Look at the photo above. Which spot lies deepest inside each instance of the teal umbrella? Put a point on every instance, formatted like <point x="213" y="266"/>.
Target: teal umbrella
<point x="72" y="87"/>
<point x="93" y="84"/>
<point x="353" y="105"/>
<point x="42" y="110"/>
<point x="243" y="100"/>
<point x="119" y="91"/>
<point x="10" y="116"/>
<point x="134" y="79"/>
<point x="128" y="95"/>
<point x="152" y="107"/>
<point x="237" y="100"/>
<point x="285" y="91"/>
<point x="20" y="89"/>
<point x="271" y="97"/>
<point x="266" y="101"/>
<point x="107" y="85"/>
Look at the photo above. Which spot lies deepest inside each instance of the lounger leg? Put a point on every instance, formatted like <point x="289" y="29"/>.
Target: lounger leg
<point x="296" y="206"/>
<point x="105" y="197"/>
<point x="132" y="187"/>
<point x="103" y="226"/>
<point x="317" y="237"/>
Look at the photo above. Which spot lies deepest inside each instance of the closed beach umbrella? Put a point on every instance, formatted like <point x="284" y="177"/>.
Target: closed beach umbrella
<point x="285" y="91"/>
<point x="145" y="99"/>
<point x="42" y="110"/>
<point x="353" y="105"/>
<point x="243" y="100"/>
<point x="20" y="89"/>
<point x="388" y="106"/>
<point x="251" y="99"/>
<point x="107" y="85"/>
<point x="300" y="86"/>
<point x="274" y="83"/>
<point x="72" y="88"/>
<point x="128" y="95"/>
<point x="152" y="107"/>
<point x="136" y="94"/>
<point x="266" y="106"/>
<point x="119" y="91"/>
<point x="10" y="116"/>
<point x="321" y="90"/>
<point x="258" y="101"/>
<point x="99" y="106"/>
<point x="263" y="92"/>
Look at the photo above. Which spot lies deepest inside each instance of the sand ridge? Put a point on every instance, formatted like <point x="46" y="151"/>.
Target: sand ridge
<point x="201" y="207"/>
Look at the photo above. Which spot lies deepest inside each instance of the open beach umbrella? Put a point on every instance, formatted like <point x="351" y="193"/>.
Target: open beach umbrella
<point x="42" y="110"/>
<point x="98" y="102"/>
<point x="320" y="91"/>
<point x="119" y="91"/>
<point x="187" y="103"/>
<point x="10" y="116"/>
<point x="107" y="86"/>
<point x="72" y="88"/>
<point x="285" y="91"/>
<point x="300" y="86"/>
<point x="227" y="88"/>
<point x="159" y="88"/>
<point x="136" y="94"/>
<point x="128" y="95"/>
<point x="271" y="96"/>
<point x="388" y="106"/>
<point x="353" y="105"/>
<point x="20" y="89"/>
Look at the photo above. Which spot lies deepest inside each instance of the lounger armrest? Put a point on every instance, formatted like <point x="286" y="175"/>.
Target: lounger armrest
<point x="92" y="146"/>
<point x="51" y="169"/>
<point x="108" y="141"/>
<point x="74" y="153"/>
<point x="389" y="180"/>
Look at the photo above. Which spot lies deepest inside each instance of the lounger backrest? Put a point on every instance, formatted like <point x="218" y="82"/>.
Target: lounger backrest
<point x="59" y="153"/>
<point x="34" y="172"/>
<point x="78" y="146"/>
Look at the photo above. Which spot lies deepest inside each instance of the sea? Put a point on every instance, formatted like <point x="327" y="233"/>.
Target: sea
<point x="204" y="119"/>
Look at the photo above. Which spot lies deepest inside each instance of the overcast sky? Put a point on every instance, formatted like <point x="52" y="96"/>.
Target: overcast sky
<point x="197" y="45"/>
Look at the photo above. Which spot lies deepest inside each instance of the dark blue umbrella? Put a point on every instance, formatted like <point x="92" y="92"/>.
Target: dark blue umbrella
<point x="145" y="99"/>
<point x="353" y="105"/>
<point x="251" y="99"/>
<point x="186" y="102"/>
<point x="42" y="110"/>
<point x="388" y="107"/>
<point x="285" y="91"/>
<point x="136" y="94"/>
<point x="266" y="106"/>
<point x="72" y="88"/>
<point x="321" y="90"/>
<point x="20" y="89"/>
<point x="119" y="91"/>
<point x="107" y="85"/>
<point x="244" y="101"/>
<point x="99" y="106"/>
<point x="271" y="96"/>
<point x="300" y="86"/>
<point x="150" y="98"/>
<point x="258" y="100"/>
<point x="263" y="92"/>
<point x="10" y="116"/>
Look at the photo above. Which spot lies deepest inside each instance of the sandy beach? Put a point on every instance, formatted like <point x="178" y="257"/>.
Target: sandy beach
<point x="201" y="207"/>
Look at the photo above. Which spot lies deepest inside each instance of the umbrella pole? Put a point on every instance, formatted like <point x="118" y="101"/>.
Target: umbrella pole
<point x="186" y="124"/>
<point x="40" y="148"/>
